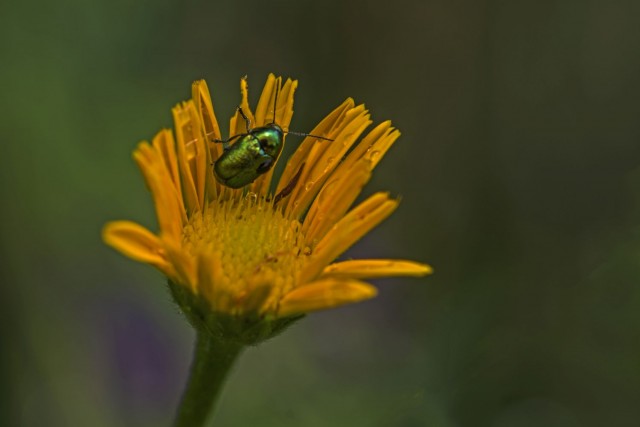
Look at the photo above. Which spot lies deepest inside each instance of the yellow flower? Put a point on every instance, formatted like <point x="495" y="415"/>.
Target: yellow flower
<point x="249" y="251"/>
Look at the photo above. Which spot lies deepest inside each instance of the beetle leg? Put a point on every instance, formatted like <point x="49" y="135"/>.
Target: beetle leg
<point x="225" y="142"/>
<point x="246" y="119"/>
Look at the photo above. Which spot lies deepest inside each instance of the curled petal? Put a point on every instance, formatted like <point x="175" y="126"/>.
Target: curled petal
<point x="134" y="241"/>
<point x="192" y="159"/>
<point x="168" y="209"/>
<point x="137" y="243"/>
<point x="323" y="294"/>
<point x="237" y="123"/>
<point x="204" y="106"/>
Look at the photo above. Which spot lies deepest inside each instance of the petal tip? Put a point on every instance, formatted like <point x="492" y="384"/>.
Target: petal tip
<point x="423" y="270"/>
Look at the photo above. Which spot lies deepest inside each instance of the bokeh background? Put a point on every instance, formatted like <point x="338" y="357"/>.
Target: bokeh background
<point x="518" y="170"/>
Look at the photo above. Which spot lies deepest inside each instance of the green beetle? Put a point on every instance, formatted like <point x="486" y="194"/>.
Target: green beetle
<point x="252" y="155"/>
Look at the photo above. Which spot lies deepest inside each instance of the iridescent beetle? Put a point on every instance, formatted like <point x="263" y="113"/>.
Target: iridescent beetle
<point x="254" y="153"/>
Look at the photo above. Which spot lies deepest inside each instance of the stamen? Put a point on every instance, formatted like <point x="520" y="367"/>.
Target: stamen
<point x="254" y="243"/>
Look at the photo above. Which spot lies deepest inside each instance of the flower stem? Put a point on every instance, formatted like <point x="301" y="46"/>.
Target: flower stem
<point x="212" y="360"/>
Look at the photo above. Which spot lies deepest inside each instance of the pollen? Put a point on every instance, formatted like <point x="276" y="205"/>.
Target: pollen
<point x="254" y="247"/>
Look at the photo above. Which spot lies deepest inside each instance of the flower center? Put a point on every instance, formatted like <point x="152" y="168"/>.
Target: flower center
<point x="257" y="253"/>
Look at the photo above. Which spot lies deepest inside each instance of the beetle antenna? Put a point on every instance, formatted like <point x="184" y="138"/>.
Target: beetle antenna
<point x="308" y="134"/>
<point x="275" y="102"/>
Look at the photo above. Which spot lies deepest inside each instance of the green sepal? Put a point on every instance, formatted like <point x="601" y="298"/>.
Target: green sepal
<point x="246" y="329"/>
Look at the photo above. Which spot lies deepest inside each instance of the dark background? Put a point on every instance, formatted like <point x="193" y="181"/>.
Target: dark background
<point x="518" y="170"/>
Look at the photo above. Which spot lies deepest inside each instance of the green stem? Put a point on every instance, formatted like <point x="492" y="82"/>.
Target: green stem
<point x="212" y="361"/>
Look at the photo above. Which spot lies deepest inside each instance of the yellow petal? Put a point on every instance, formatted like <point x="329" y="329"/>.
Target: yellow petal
<point x="325" y="156"/>
<point x="238" y="125"/>
<point x="193" y="153"/>
<point x="164" y="144"/>
<point x="134" y="241"/>
<point x="232" y="300"/>
<point x="351" y="228"/>
<point x="302" y="152"/>
<point x="166" y="200"/>
<point x="324" y="294"/>
<point x="211" y="131"/>
<point x="334" y="199"/>
<point x="267" y="112"/>
<point x="374" y="268"/>
<point x="264" y="109"/>
<point x="138" y="243"/>
<point x="204" y="106"/>
<point x="326" y="159"/>
<point x="185" y="144"/>
<point x="282" y="116"/>
<point x="341" y="187"/>
<point x="202" y="159"/>
<point x="372" y="147"/>
<point x="285" y="103"/>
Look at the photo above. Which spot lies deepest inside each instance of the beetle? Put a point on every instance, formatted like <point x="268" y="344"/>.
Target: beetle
<point x="253" y="154"/>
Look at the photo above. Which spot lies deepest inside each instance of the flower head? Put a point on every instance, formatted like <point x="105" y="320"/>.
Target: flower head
<point x="253" y="251"/>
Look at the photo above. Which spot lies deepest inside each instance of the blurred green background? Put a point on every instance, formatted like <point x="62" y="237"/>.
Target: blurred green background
<point x="518" y="170"/>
